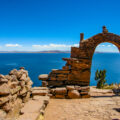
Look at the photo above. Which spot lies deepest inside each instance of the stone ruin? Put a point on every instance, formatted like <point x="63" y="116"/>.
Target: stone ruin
<point x="72" y="81"/>
<point x="15" y="91"/>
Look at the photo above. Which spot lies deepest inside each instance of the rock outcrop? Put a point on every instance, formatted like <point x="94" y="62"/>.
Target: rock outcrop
<point x="15" y="90"/>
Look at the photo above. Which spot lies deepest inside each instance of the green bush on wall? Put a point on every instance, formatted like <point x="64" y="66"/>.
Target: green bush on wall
<point x="100" y="78"/>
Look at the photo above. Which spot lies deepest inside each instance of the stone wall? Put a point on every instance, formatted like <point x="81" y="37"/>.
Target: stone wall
<point x="15" y="90"/>
<point x="77" y="69"/>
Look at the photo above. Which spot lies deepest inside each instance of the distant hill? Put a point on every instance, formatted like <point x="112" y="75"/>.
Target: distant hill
<point x="49" y="51"/>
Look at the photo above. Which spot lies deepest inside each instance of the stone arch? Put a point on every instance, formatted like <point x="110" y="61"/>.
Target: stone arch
<point x="77" y="69"/>
<point x="87" y="48"/>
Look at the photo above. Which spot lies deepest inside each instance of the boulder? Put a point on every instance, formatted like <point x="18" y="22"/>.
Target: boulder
<point x="73" y="94"/>
<point x="4" y="89"/>
<point x="43" y="77"/>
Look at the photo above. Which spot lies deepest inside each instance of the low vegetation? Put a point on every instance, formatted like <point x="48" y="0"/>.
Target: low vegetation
<point x="100" y="78"/>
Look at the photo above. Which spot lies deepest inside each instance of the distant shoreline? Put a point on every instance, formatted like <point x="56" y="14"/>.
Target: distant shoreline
<point x="44" y="52"/>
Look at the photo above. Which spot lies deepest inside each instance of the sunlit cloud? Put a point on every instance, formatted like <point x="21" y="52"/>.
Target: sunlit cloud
<point x="55" y="46"/>
<point x="13" y="45"/>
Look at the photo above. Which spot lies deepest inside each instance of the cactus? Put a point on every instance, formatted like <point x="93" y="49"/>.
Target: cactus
<point x="100" y="78"/>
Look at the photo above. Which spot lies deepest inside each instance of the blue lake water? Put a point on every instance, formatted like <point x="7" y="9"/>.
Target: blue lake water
<point x="42" y="63"/>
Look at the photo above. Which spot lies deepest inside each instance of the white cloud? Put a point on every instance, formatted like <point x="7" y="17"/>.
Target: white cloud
<point x="109" y="45"/>
<point x="55" y="46"/>
<point x="13" y="45"/>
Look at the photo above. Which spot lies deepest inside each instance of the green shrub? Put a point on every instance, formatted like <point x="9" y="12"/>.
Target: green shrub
<point x="100" y="78"/>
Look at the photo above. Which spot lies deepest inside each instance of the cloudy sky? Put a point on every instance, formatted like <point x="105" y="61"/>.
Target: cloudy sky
<point x="36" y="25"/>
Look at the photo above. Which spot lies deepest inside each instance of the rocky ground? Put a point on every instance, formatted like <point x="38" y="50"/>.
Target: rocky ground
<point x="103" y="105"/>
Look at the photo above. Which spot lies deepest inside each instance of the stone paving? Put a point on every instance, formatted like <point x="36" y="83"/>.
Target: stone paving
<point x="103" y="107"/>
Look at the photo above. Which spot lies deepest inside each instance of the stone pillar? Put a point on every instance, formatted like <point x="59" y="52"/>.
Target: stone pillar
<point x="81" y="37"/>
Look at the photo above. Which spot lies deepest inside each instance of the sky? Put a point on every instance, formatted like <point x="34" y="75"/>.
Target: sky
<point x="36" y="25"/>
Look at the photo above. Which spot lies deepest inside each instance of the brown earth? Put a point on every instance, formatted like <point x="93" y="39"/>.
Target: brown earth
<point x="103" y="105"/>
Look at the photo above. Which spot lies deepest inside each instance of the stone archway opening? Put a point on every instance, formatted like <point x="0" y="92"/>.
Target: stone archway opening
<point x="105" y="54"/>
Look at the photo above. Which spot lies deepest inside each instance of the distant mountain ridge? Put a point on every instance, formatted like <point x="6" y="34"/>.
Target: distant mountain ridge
<point x="48" y="51"/>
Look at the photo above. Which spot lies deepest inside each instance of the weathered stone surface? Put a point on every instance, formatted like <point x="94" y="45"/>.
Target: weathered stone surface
<point x="3" y="80"/>
<point x="86" y="96"/>
<point x="40" y="92"/>
<point x="61" y="71"/>
<point x="32" y="106"/>
<point x="60" y="96"/>
<point x="60" y="91"/>
<point x="23" y="77"/>
<point x="43" y="77"/>
<point x="2" y="115"/>
<point x="44" y="83"/>
<point x="23" y="91"/>
<point x="15" y="90"/>
<point x="87" y="88"/>
<point x="70" y="87"/>
<point x="55" y="83"/>
<point x="4" y="89"/>
<point x="77" y="87"/>
<point x="73" y="94"/>
<point x="39" y="88"/>
<point x="3" y="99"/>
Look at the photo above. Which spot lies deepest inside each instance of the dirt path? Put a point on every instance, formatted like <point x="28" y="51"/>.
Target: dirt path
<point x="98" y="108"/>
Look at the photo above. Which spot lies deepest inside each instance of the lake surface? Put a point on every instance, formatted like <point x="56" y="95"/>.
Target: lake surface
<point x="42" y="63"/>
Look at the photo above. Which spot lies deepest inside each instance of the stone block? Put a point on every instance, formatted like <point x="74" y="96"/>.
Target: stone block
<point x="39" y="92"/>
<point x="60" y="91"/>
<point x="73" y="94"/>
<point x="60" y="96"/>
<point x="61" y="71"/>
<point x="3" y="99"/>
<point x="15" y="90"/>
<point x="44" y="83"/>
<point x="4" y="89"/>
<point x="55" y="83"/>
<point x="43" y="77"/>
<point x="70" y="87"/>
<point x="86" y="96"/>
